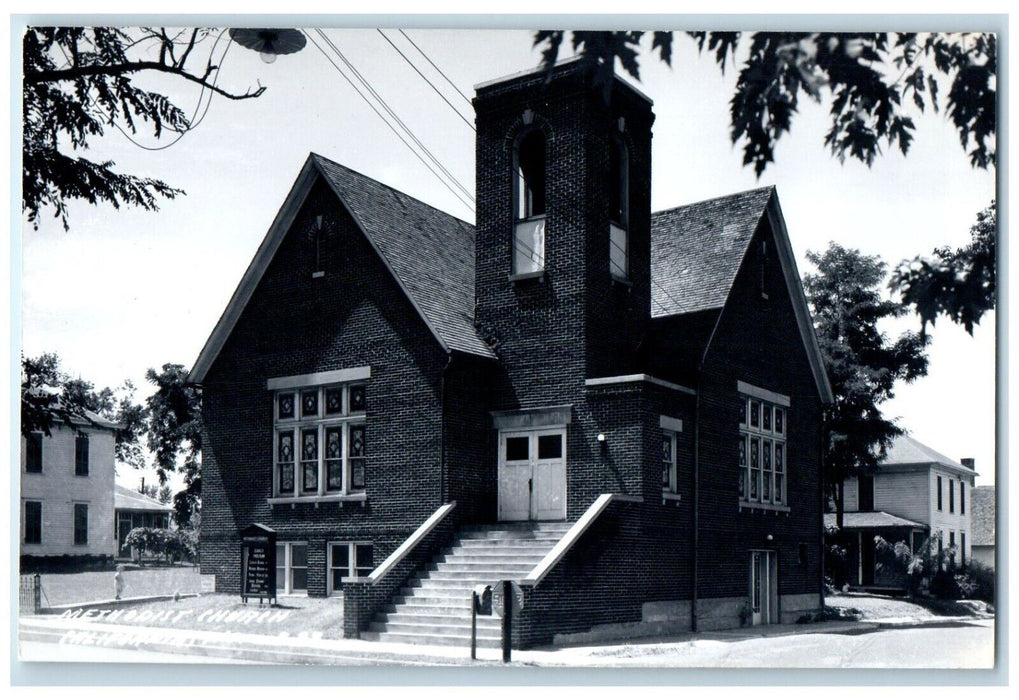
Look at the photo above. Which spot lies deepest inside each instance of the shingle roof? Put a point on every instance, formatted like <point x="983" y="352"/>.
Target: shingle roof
<point x="128" y="499"/>
<point x="696" y="250"/>
<point x="981" y="504"/>
<point x="906" y="450"/>
<point x="876" y="519"/>
<point x="431" y="252"/>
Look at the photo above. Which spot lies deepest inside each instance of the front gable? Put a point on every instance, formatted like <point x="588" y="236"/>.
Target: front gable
<point x="427" y="254"/>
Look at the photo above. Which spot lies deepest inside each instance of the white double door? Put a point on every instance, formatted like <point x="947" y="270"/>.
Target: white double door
<point x="532" y="474"/>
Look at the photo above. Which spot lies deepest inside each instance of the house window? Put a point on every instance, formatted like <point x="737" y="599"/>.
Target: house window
<point x="962" y="548"/>
<point x="670" y="476"/>
<point x="619" y="238"/>
<point x="33" y="453"/>
<point x="320" y="441"/>
<point x="33" y="522"/>
<point x="291" y="568"/>
<point x="529" y="193"/>
<point x="951" y="496"/>
<point x="348" y="559"/>
<point x="81" y="455"/>
<point x="865" y="493"/>
<point x="962" y="498"/>
<point x="762" y="452"/>
<point x="81" y="523"/>
<point x="939" y="493"/>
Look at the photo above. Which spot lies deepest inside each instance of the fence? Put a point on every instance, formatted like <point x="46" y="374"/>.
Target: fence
<point x="30" y="594"/>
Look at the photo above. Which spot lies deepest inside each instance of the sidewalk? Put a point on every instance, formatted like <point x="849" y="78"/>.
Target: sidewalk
<point x="254" y="648"/>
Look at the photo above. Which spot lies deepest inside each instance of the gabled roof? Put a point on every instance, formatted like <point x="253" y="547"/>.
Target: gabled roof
<point x="907" y="451"/>
<point x="128" y="499"/>
<point x="981" y="504"/>
<point x="876" y="519"/>
<point x="429" y="253"/>
<point x="697" y="251"/>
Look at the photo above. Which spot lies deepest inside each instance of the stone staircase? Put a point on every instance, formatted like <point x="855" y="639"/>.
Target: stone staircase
<point x="435" y="605"/>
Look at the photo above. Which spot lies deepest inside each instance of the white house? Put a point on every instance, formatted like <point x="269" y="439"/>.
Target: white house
<point x="67" y="490"/>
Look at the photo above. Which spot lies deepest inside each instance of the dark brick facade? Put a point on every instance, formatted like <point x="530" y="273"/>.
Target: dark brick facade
<point x="431" y="437"/>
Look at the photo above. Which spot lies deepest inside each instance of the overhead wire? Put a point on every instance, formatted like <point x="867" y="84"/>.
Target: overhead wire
<point x="410" y="133"/>
<point x="425" y="78"/>
<point x="432" y="64"/>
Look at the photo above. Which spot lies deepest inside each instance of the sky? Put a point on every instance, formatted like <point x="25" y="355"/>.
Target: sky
<point x="126" y="290"/>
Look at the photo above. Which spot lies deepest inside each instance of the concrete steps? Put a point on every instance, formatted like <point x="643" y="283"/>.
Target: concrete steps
<point x="434" y="606"/>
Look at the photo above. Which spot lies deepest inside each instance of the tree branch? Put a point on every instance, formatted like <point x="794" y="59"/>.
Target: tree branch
<point x="45" y="76"/>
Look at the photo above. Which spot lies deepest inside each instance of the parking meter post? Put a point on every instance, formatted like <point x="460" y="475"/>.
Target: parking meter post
<point x="507" y="624"/>
<point x="474" y="625"/>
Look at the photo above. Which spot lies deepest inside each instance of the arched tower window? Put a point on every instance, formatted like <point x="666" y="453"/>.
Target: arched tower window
<point x="619" y="225"/>
<point x="529" y="208"/>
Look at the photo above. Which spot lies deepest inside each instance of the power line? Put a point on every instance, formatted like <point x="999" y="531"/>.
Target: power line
<point x="432" y="64"/>
<point x="425" y="78"/>
<point x="374" y="93"/>
<point x="468" y="204"/>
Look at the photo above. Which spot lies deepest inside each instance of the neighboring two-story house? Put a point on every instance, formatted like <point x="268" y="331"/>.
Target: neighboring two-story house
<point x="915" y="493"/>
<point x="67" y="492"/>
<point x="618" y="410"/>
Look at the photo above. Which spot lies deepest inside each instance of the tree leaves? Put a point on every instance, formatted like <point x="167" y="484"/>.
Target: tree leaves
<point x="77" y="82"/>
<point x="865" y="75"/>
<point x="958" y="284"/>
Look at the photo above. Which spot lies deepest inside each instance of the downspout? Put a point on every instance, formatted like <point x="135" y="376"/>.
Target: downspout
<point x="696" y="500"/>
<point x="442" y="428"/>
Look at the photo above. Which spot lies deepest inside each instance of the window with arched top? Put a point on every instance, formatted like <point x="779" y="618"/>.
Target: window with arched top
<point x="529" y="205"/>
<point x="619" y="225"/>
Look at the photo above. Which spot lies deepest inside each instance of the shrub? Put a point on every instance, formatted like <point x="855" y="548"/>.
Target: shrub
<point x="976" y="583"/>
<point x="172" y="545"/>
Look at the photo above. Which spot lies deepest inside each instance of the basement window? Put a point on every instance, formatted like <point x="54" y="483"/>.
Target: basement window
<point x="346" y="560"/>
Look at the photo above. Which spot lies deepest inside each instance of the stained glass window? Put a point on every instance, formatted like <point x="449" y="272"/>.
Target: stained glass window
<point x="309" y="403"/>
<point x="324" y="448"/>
<point x="334" y="400"/>
<point x="357" y="458"/>
<point x="765" y="428"/>
<point x="285" y="461"/>
<point x="334" y="458"/>
<point x="309" y="460"/>
<point x="356" y="398"/>
<point x="285" y="403"/>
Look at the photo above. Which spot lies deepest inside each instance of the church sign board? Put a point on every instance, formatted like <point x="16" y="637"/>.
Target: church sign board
<point x="258" y="563"/>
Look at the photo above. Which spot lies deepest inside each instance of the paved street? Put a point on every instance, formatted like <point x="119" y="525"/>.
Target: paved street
<point x="966" y="644"/>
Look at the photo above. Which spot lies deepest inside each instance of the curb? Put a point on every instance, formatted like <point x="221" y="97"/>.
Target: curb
<point x="113" y="602"/>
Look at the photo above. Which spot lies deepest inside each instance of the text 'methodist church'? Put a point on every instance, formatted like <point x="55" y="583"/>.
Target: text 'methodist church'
<point x="617" y="409"/>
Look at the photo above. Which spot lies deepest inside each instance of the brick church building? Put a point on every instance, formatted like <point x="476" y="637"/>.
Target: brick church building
<point x="618" y="410"/>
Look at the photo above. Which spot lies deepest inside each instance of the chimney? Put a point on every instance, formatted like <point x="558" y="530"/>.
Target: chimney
<point x="969" y="463"/>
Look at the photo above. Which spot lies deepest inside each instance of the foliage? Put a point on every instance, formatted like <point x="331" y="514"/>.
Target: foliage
<point x="49" y="396"/>
<point x="831" y="613"/>
<point x="175" y="434"/>
<point x="172" y="545"/>
<point x="79" y="81"/>
<point x="875" y="81"/>
<point x="959" y="284"/>
<point x="976" y="582"/>
<point x="931" y="570"/>
<point x="862" y="364"/>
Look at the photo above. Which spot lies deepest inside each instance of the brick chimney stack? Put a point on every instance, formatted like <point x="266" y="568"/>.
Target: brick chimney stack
<point x="968" y="462"/>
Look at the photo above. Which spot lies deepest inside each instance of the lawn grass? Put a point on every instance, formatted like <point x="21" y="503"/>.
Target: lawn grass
<point x="316" y="618"/>
<point x="66" y="589"/>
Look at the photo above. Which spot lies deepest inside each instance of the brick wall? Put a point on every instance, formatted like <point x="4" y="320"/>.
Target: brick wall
<point x="757" y="341"/>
